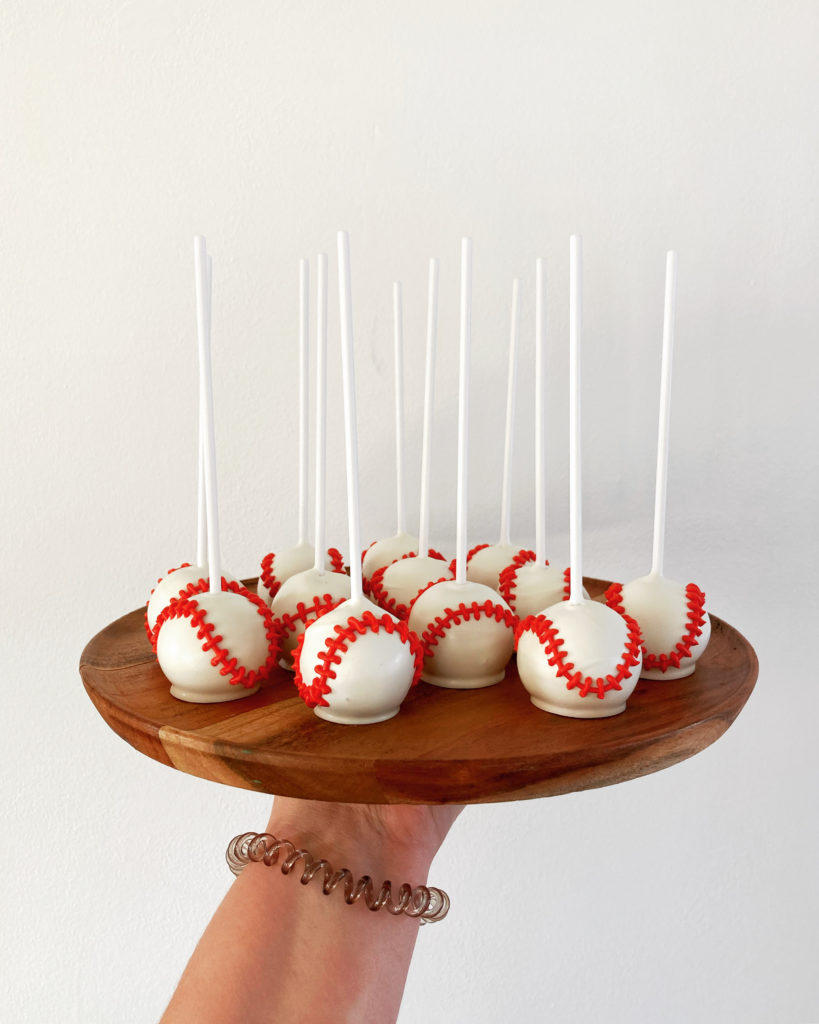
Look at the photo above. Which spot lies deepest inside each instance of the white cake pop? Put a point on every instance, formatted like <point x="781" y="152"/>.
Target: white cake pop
<point x="486" y="562"/>
<point x="384" y="552"/>
<point x="182" y="582"/>
<point x="305" y="596"/>
<point x="467" y="634"/>
<point x="188" y="578"/>
<point x="277" y="568"/>
<point x="356" y="663"/>
<point x="302" y="599"/>
<point x="578" y="658"/>
<point x="675" y="626"/>
<point x="394" y="587"/>
<point x="528" y="587"/>
<point x="215" y="647"/>
<point x="466" y="629"/>
<point x="529" y="583"/>
<point x="170" y="585"/>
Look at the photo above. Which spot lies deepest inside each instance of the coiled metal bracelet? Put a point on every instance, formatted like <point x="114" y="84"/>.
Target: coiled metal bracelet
<point x="425" y="902"/>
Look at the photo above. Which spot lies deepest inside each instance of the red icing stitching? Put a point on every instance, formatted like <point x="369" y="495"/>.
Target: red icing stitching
<point x="508" y="579"/>
<point x="473" y="551"/>
<point x="148" y="630"/>
<point x="188" y="607"/>
<point x="338" y="643"/>
<point x="469" y="556"/>
<point x="336" y="560"/>
<point x="268" y="576"/>
<point x="453" y="616"/>
<point x="695" y="620"/>
<point x="379" y="594"/>
<point x="365" y="583"/>
<point x="547" y="633"/>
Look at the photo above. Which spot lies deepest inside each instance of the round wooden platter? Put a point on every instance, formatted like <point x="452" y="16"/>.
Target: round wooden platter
<point x="444" y="746"/>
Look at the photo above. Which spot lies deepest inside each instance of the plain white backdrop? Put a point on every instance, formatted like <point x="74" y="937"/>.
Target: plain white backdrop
<point x="127" y="127"/>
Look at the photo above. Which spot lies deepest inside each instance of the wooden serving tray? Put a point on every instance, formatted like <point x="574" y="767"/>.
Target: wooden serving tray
<point x="444" y="746"/>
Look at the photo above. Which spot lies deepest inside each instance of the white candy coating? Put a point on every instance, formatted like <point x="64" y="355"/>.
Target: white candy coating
<point x="486" y="565"/>
<point x="386" y="551"/>
<point x="473" y="652"/>
<point x="188" y="665"/>
<point x="660" y="607"/>
<point x="403" y="581"/>
<point x="172" y="585"/>
<point x="535" y="588"/>
<point x="595" y="640"/>
<point x="375" y="671"/>
<point x="286" y="564"/>
<point x="302" y="590"/>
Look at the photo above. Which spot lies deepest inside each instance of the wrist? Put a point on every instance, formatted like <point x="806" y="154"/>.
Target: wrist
<point x="382" y="842"/>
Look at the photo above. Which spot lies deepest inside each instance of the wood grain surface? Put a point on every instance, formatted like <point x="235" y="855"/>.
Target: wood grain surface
<point x="444" y="746"/>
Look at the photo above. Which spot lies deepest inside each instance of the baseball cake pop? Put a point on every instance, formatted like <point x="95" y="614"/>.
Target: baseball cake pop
<point x="529" y="583"/>
<point x="395" y="586"/>
<point x="578" y="658"/>
<point x="217" y="645"/>
<point x="356" y="663"/>
<point x="673" y="621"/>
<point x="186" y="578"/>
<point x="466" y="630"/>
<point x="486" y="562"/>
<point x="185" y="581"/>
<point x="384" y="552"/>
<point x="303" y="597"/>
<point x="278" y="566"/>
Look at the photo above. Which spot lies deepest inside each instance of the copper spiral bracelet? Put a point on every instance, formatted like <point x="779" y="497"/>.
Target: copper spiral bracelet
<point x="425" y="902"/>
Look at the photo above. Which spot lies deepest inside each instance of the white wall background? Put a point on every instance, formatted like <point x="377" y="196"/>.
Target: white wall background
<point x="690" y="895"/>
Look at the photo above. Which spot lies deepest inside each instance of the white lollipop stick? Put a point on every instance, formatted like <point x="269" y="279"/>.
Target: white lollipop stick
<point x="206" y="403"/>
<point x="201" y="511"/>
<point x="429" y="399"/>
<point x="665" y="413"/>
<point x="575" y="484"/>
<point x="398" y="341"/>
<point x="304" y="385"/>
<point x="209" y="308"/>
<point x="540" y="481"/>
<point x="321" y="408"/>
<point x="345" y="302"/>
<point x="511" y="388"/>
<point x="463" y="408"/>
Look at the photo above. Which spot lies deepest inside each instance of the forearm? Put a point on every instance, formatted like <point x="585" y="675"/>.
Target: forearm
<point x="277" y="950"/>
